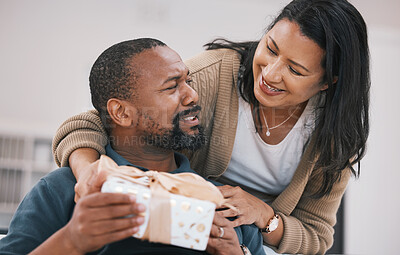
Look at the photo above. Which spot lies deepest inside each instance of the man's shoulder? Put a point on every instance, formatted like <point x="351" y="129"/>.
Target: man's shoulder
<point x="58" y="183"/>
<point x="62" y="175"/>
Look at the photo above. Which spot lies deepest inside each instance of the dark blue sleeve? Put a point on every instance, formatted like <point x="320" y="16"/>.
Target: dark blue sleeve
<point x="44" y="210"/>
<point x="252" y="238"/>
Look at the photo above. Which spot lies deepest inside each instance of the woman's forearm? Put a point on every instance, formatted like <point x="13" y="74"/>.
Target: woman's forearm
<point x="274" y="238"/>
<point x="80" y="160"/>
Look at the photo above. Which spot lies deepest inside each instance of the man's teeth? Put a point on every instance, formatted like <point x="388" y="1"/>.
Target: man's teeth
<point x="190" y="118"/>
<point x="271" y="88"/>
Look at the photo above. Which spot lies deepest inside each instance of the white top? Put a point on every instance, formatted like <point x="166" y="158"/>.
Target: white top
<point x="262" y="167"/>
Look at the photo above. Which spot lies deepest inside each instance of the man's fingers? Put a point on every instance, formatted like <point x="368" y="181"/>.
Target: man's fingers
<point x="115" y="236"/>
<point x="221" y="221"/>
<point x="99" y="199"/>
<point x="116" y="211"/>
<point x="217" y="231"/>
<point x="115" y="225"/>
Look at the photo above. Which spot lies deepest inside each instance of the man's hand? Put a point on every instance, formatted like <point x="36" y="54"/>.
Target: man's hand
<point x="223" y="238"/>
<point x="100" y="218"/>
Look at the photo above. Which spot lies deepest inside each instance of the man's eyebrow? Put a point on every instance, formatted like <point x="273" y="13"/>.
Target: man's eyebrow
<point x="172" y="78"/>
<point x="291" y="61"/>
<point x="176" y="77"/>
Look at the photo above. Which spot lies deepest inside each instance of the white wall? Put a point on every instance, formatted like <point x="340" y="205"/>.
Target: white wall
<point x="373" y="201"/>
<point x="47" y="48"/>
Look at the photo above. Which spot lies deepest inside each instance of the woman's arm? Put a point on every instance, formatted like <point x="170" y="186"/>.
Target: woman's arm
<point x="83" y="163"/>
<point x="308" y="229"/>
<point x="78" y="143"/>
<point x="84" y="130"/>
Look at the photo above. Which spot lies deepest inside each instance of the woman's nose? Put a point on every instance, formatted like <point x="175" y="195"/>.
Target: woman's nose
<point x="272" y="72"/>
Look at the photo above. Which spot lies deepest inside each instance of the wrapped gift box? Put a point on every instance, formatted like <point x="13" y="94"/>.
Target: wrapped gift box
<point x="191" y="218"/>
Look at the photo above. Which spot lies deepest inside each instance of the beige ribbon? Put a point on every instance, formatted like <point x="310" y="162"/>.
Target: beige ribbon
<point x="161" y="184"/>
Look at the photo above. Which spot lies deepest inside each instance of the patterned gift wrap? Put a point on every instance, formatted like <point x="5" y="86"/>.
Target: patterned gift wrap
<point x="191" y="218"/>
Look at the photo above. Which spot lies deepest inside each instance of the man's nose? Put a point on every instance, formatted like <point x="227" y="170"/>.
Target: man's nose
<point x="190" y="95"/>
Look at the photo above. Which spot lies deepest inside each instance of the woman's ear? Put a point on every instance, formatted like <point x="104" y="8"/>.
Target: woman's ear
<point x="325" y="86"/>
<point x="121" y="112"/>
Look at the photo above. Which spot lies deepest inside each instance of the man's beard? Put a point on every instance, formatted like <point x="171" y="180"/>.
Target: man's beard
<point x="176" y="139"/>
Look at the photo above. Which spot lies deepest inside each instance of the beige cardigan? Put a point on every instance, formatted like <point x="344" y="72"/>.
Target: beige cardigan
<point x="308" y="222"/>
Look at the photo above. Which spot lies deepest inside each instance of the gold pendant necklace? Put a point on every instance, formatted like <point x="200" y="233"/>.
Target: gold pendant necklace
<point x="268" y="133"/>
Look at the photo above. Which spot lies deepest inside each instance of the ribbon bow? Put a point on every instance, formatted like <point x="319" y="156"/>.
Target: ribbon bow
<point x="161" y="184"/>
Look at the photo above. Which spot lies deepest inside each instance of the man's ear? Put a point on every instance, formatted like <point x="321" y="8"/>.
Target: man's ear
<point x="121" y="112"/>
<point x="325" y="86"/>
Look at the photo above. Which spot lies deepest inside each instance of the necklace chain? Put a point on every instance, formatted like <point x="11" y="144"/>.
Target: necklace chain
<point x="268" y="133"/>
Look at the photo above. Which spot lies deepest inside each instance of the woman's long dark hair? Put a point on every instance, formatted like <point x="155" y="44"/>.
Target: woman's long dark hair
<point x="342" y="126"/>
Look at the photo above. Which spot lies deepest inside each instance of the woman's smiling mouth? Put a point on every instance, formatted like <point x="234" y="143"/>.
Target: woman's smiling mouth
<point x="268" y="89"/>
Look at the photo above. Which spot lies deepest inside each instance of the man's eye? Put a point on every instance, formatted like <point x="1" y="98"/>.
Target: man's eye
<point x="172" y="87"/>
<point x="189" y="81"/>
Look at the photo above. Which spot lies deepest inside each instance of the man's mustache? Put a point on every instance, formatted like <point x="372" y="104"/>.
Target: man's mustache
<point x="194" y="109"/>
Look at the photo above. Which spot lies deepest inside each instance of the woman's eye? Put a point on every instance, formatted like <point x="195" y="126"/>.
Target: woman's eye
<point x="189" y="81"/>
<point x="294" y="71"/>
<point x="271" y="50"/>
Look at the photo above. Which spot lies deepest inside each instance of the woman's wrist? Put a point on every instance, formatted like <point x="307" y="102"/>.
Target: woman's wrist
<point x="274" y="237"/>
<point x="81" y="159"/>
<point x="266" y="214"/>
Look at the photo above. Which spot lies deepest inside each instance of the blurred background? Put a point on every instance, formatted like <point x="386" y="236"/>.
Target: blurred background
<point x="48" y="47"/>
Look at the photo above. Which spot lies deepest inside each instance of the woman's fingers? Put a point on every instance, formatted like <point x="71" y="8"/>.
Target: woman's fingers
<point x="228" y="213"/>
<point x="227" y="190"/>
<point x="97" y="181"/>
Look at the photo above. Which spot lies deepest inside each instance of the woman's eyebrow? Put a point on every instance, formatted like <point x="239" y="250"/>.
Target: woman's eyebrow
<point x="273" y="41"/>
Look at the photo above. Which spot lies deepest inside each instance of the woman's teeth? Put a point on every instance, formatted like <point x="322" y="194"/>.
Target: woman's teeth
<point x="271" y="88"/>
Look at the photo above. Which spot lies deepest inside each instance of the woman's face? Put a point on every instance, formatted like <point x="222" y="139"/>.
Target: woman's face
<point x="287" y="67"/>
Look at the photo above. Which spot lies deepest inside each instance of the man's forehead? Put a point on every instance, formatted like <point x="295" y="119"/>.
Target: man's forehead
<point x="159" y="59"/>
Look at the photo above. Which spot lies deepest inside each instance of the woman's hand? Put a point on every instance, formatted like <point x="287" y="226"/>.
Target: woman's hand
<point x="90" y="180"/>
<point x="99" y="219"/>
<point x="84" y="164"/>
<point x="223" y="238"/>
<point x="249" y="209"/>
